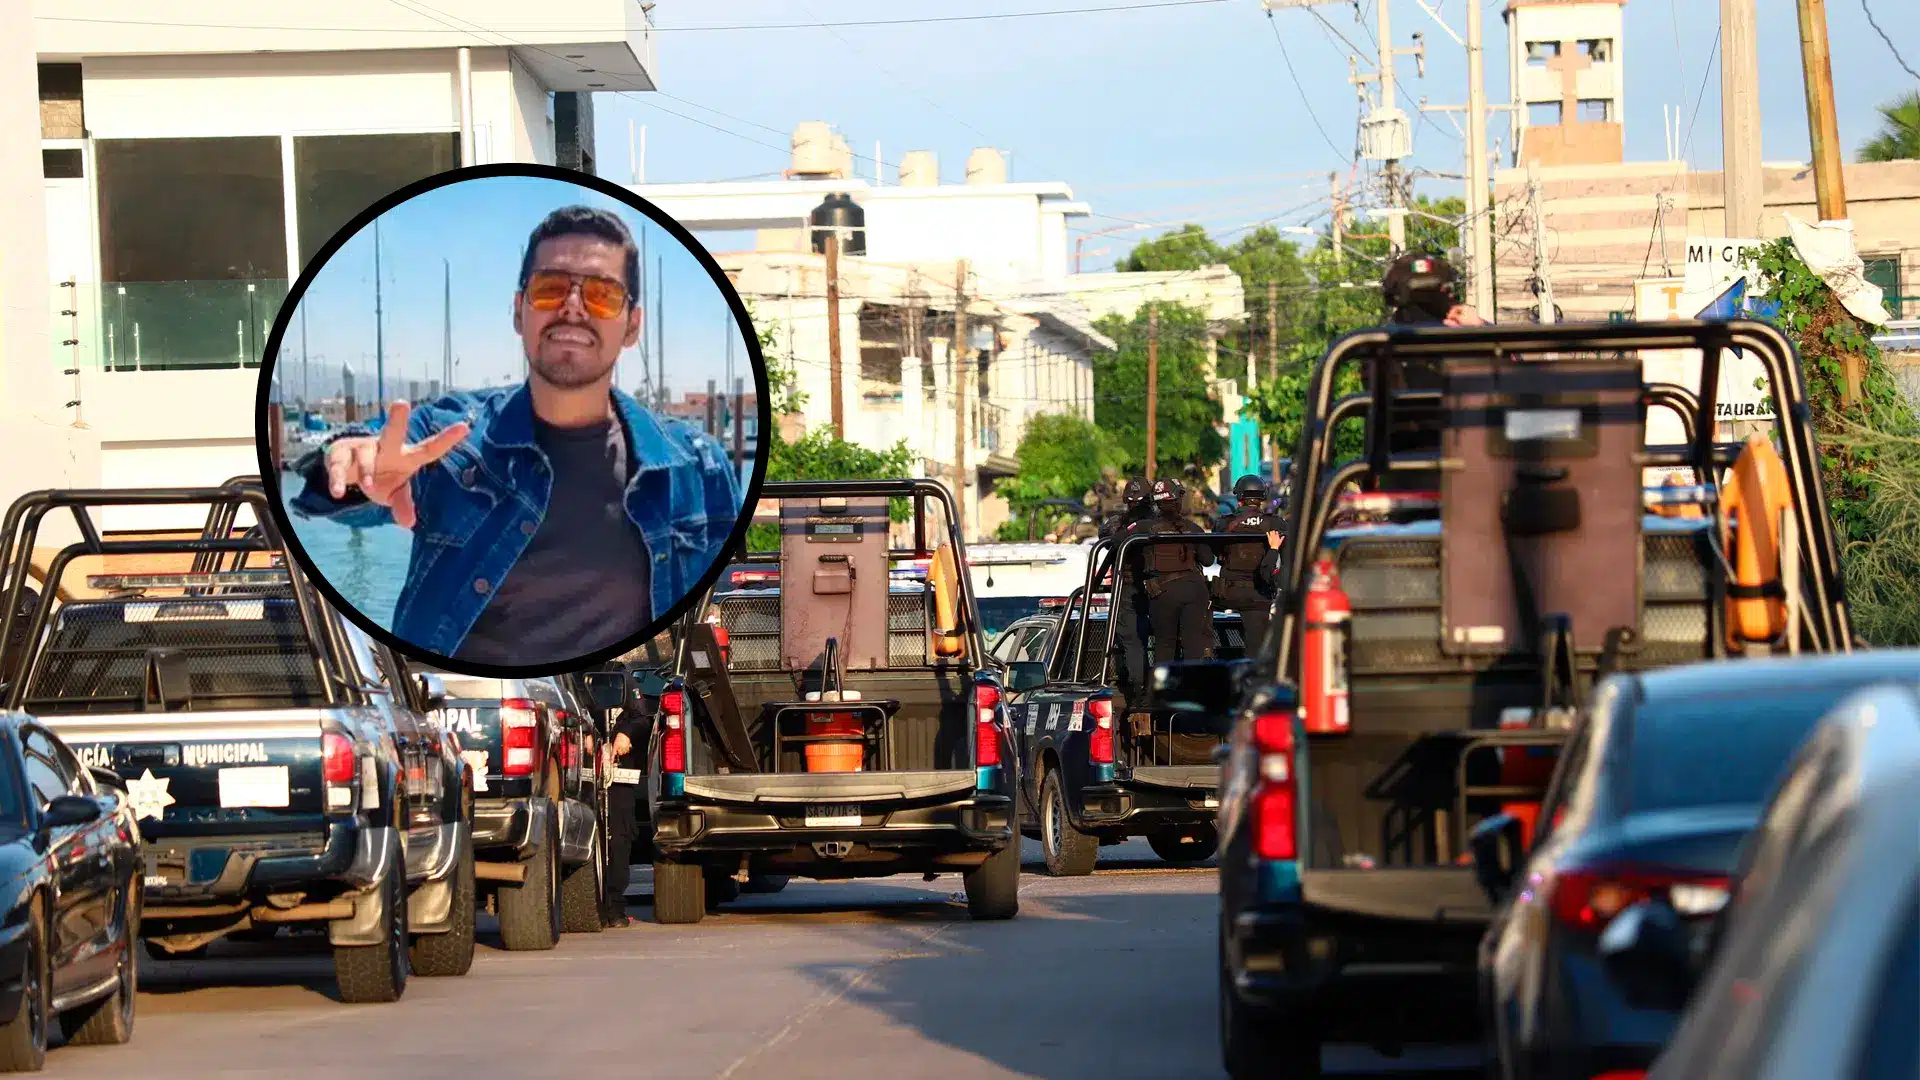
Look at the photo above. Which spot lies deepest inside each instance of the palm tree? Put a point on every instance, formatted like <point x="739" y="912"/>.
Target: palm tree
<point x="1899" y="137"/>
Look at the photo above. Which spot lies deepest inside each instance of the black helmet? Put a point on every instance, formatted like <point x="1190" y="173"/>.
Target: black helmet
<point x="1168" y="493"/>
<point x="1135" y="491"/>
<point x="1420" y="283"/>
<point x="1249" y="488"/>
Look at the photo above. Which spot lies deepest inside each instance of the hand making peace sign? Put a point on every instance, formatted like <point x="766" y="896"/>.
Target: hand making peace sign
<point x="383" y="465"/>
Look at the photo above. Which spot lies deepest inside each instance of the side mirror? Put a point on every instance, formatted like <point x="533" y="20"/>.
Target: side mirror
<point x="1497" y="857"/>
<point x="608" y="689"/>
<point x="1026" y="675"/>
<point x="1203" y="686"/>
<point x="1647" y="951"/>
<point x="433" y="689"/>
<point x="109" y="779"/>
<point x="67" y="811"/>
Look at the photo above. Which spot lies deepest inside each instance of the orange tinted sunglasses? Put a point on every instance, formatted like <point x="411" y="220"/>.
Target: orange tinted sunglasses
<point x="603" y="297"/>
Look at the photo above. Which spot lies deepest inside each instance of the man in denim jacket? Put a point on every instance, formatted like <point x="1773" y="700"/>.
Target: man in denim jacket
<point x="552" y="519"/>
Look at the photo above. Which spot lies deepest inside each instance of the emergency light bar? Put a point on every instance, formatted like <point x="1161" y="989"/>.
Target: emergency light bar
<point x="116" y="582"/>
<point x="1387" y="502"/>
<point x="194" y="610"/>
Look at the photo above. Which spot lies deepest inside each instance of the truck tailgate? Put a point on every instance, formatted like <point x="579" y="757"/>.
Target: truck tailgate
<point x="762" y="789"/>
<point x="475" y="723"/>
<point x="1181" y="777"/>
<point x="1427" y="894"/>
<point x="209" y="773"/>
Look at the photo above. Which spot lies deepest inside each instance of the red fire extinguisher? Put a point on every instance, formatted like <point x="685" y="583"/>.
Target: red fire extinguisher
<point x="1323" y="657"/>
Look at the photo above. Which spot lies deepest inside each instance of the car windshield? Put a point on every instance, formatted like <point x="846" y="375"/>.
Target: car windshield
<point x="12" y="807"/>
<point x="999" y="612"/>
<point x="1720" y="750"/>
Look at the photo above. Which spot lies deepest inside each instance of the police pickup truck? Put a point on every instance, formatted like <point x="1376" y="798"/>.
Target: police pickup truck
<point x="1103" y="761"/>
<point x="279" y="761"/>
<point x="1376" y="789"/>
<point x="841" y="724"/>
<point x="537" y="834"/>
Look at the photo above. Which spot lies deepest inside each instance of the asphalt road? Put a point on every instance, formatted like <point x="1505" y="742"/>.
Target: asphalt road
<point x="1108" y="977"/>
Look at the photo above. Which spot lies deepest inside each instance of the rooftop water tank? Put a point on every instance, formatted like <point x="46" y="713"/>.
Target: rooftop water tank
<point x="813" y="149"/>
<point x="986" y="166"/>
<point x="842" y="158"/>
<point x="920" y="168"/>
<point x="839" y="213"/>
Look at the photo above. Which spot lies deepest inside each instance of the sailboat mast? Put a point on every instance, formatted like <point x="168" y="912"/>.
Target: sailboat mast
<point x="379" y="328"/>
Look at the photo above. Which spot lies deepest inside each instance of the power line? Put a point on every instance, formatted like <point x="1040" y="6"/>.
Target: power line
<point x="597" y="28"/>
<point x="1898" y="59"/>
<point x="1304" y="99"/>
<point x="1686" y="151"/>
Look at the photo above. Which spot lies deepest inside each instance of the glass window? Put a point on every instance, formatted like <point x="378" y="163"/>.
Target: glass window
<point x="1539" y="52"/>
<point x="46" y="777"/>
<point x="335" y="177"/>
<point x="1595" y="110"/>
<point x="62" y="164"/>
<point x="1749" y="740"/>
<point x="1885" y="272"/>
<point x="193" y="249"/>
<point x="1543" y="113"/>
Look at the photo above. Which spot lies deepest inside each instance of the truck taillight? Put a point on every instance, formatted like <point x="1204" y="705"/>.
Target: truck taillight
<point x="723" y="638"/>
<point x="1323" y="654"/>
<point x="1586" y="900"/>
<point x="1100" y="739"/>
<point x="337" y="761"/>
<point x="986" y="701"/>
<point x="1274" y="821"/>
<point x="673" y="745"/>
<point x="519" y="737"/>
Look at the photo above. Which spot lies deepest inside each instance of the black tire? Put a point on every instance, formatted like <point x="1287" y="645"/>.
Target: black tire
<point x="450" y="954"/>
<point x="765" y="884"/>
<point x="1069" y="852"/>
<point x="23" y="1040"/>
<point x="1182" y="848"/>
<point x="530" y="910"/>
<point x="993" y="887"/>
<point x="679" y="893"/>
<point x="1259" y="1045"/>
<point x="583" y="892"/>
<point x="109" y="1021"/>
<point x="377" y="974"/>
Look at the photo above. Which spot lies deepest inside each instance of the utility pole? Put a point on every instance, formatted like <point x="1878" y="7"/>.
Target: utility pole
<point x="1543" y="279"/>
<point x="379" y="327"/>
<point x="1829" y="181"/>
<point x="1273" y="330"/>
<point x="1153" y="385"/>
<point x="833" y="335"/>
<point x="1479" y="222"/>
<point x="739" y="423"/>
<point x="1740" y="117"/>
<point x="1396" y="200"/>
<point x="1339" y="220"/>
<point x="958" y="354"/>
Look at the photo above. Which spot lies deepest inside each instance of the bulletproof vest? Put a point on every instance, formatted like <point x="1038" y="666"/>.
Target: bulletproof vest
<point x="1172" y="558"/>
<point x="1245" y="558"/>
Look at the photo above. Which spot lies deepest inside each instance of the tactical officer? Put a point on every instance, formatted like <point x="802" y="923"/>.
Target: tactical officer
<point x="1176" y="590"/>
<point x="1419" y="289"/>
<point x="627" y="729"/>
<point x="1239" y="585"/>
<point x="1129" y="602"/>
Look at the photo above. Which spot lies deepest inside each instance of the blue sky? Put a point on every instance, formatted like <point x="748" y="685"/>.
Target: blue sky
<point x="479" y="229"/>
<point x="1170" y="113"/>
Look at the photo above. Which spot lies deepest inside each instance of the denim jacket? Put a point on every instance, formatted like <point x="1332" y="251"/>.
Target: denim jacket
<point x="478" y="507"/>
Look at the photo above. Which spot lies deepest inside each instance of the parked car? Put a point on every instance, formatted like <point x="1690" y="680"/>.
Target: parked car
<point x="70" y="863"/>
<point x="536" y="822"/>
<point x="1814" y="967"/>
<point x="1659" y="786"/>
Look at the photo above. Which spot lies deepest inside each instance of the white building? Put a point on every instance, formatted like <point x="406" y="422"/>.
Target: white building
<point x="1566" y="68"/>
<point x="197" y="153"/>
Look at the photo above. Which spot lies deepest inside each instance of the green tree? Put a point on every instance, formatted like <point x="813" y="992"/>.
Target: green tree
<point x="1899" y="136"/>
<point x="1060" y="456"/>
<point x="1188" y="408"/>
<point x="1186" y="248"/>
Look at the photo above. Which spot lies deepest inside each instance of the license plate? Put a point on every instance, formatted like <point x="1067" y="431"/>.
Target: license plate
<point x="262" y="786"/>
<point x="832" y="816"/>
<point x="627" y="776"/>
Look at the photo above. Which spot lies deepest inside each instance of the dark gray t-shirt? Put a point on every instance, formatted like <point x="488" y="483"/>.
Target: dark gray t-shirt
<point x="583" y="583"/>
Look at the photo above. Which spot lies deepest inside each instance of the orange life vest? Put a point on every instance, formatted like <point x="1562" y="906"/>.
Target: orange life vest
<point x="1751" y="502"/>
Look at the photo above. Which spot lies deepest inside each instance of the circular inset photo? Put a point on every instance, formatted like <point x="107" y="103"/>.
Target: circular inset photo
<point x="511" y="420"/>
